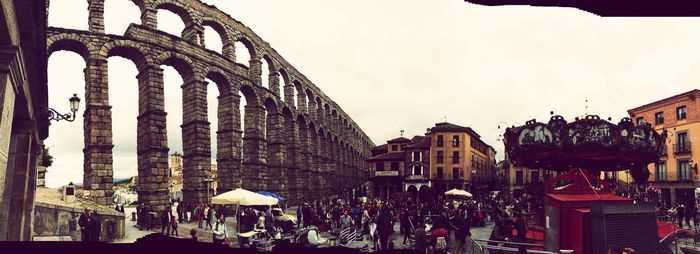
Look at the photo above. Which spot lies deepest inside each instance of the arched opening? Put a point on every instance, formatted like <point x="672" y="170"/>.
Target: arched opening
<point x="319" y="109"/>
<point x="414" y="191"/>
<point x="298" y="96"/>
<point x="123" y="89"/>
<point x="172" y="80"/>
<point x="284" y="83"/>
<point x="65" y="142"/>
<point x="170" y="22"/>
<point x="291" y="152"/>
<point x="118" y="15"/>
<point x="265" y="66"/>
<point x="68" y="14"/>
<point x="213" y="39"/>
<point x="213" y="110"/>
<point x="244" y="51"/>
<point x="310" y="101"/>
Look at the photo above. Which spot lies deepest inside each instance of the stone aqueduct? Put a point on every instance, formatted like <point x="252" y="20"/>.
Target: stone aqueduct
<point x="312" y="148"/>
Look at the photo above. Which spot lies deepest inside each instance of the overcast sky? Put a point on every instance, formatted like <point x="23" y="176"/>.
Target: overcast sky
<point x="394" y="65"/>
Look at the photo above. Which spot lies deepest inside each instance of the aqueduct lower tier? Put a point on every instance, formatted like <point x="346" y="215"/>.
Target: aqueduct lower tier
<point x="310" y="149"/>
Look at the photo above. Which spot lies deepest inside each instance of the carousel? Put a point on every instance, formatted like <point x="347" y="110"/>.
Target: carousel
<point x="580" y="211"/>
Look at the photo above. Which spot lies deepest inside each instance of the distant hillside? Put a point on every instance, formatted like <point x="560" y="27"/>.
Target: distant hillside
<point x="122" y="180"/>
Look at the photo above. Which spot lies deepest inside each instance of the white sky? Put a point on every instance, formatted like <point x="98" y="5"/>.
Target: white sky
<point x="395" y="65"/>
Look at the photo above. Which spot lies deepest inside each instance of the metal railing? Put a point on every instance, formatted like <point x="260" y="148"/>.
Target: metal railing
<point x="506" y="247"/>
<point x="682" y="147"/>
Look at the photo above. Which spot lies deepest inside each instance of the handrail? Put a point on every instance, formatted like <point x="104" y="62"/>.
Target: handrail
<point x="511" y="243"/>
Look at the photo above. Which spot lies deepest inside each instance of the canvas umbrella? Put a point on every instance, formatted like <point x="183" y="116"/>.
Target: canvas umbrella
<point x="457" y="192"/>
<point x="240" y="197"/>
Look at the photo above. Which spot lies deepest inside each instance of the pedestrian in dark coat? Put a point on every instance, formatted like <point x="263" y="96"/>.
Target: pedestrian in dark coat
<point x="521" y="230"/>
<point x="165" y="221"/>
<point x="384" y="227"/>
<point x="421" y="240"/>
<point x="681" y="215"/>
<point x="208" y="217"/>
<point x="96" y="227"/>
<point x="462" y="231"/>
<point x="85" y="223"/>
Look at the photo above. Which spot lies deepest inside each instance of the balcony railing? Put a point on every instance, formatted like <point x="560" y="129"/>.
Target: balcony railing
<point x="682" y="147"/>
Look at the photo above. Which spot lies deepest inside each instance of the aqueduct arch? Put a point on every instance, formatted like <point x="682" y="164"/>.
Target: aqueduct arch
<point x="310" y="147"/>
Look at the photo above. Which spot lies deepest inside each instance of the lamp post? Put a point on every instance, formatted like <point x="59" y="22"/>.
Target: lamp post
<point x="74" y="106"/>
<point x="208" y="184"/>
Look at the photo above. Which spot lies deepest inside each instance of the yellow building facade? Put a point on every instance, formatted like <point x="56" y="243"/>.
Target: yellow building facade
<point x="676" y="172"/>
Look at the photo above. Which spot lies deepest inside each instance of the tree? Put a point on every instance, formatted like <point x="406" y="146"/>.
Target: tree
<point x="47" y="159"/>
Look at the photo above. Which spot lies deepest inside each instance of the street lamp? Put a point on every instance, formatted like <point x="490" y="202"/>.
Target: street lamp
<point x="74" y="106"/>
<point x="208" y="183"/>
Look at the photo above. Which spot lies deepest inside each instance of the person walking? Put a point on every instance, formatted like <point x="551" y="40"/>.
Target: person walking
<point x="96" y="227"/>
<point x="521" y="230"/>
<point x="208" y="217"/>
<point x="406" y="228"/>
<point x="85" y="223"/>
<point x="680" y="213"/>
<point x="220" y="234"/>
<point x="165" y="221"/>
<point x="173" y="225"/>
<point x="462" y="232"/>
<point x="421" y="240"/>
<point x="384" y="227"/>
<point x="179" y="212"/>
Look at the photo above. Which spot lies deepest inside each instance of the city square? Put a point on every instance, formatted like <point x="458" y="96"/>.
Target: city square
<point x="441" y="127"/>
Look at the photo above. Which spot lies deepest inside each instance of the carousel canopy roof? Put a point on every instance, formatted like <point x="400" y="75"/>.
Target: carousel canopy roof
<point x="591" y="143"/>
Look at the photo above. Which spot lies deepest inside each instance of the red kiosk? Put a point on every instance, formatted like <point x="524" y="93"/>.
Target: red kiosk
<point x="582" y="149"/>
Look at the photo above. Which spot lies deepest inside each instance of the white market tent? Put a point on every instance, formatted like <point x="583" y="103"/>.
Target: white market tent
<point x="241" y="197"/>
<point x="457" y="192"/>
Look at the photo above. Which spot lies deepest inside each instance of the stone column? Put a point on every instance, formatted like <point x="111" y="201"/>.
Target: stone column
<point x="254" y="148"/>
<point x="291" y="137"/>
<point x="228" y="143"/>
<point x="301" y="100"/>
<point x="30" y="194"/>
<point x="17" y="179"/>
<point x="97" y="165"/>
<point x="96" y="23"/>
<point x="303" y="160"/>
<point x="228" y="50"/>
<point x="289" y="94"/>
<point x="277" y="172"/>
<point x="149" y="17"/>
<point x="312" y="109"/>
<point x="274" y="79"/>
<point x="315" y="162"/>
<point x="8" y="80"/>
<point x="152" y="143"/>
<point x="194" y="33"/>
<point x="255" y="71"/>
<point x="196" y="141"/>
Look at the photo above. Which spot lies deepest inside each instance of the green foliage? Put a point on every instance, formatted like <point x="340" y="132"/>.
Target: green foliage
<point x="47" y="159"/>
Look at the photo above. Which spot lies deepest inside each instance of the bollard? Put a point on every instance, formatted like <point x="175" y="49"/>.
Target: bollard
<point x="133" y="216"/>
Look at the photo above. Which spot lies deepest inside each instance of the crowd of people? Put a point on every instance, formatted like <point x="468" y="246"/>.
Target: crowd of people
<point x="200" y="213"/>
<point x="438" y="219"/>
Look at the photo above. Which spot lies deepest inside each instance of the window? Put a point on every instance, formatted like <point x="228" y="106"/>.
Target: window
<point x="379" y="166"/>
<point x="416" y="156"/>
<point x="519" y="177"/>
<point x="455" y="141"/>
<point x="455" y="174"/>
<point x="682" y="144"/>
<point x="659" y="117"/>
<point x="661" y="171"/>
<point x="394" y="166"/>
<point x="535" y="176"/>
<point x="439" y="156"/>
<point x="439" y="173"/>
<point x="417" y="170"/>
<point x="439" y="141"/>
<point x="455" y="157"/>
<point x="640" y="120"/>
<point x="682" y="112"/>
<point x="394" y="147"/>
<point x="684" y="170"/>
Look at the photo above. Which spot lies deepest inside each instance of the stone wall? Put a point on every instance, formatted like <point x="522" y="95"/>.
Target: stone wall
<point x="53" y="220"/>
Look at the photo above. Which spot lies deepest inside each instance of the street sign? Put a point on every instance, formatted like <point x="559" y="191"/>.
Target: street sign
<point x="386" y="173"/>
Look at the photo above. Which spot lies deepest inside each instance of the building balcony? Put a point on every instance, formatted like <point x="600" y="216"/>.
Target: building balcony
<point x="682" y="148"/>
<point x="416" y="177"/>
